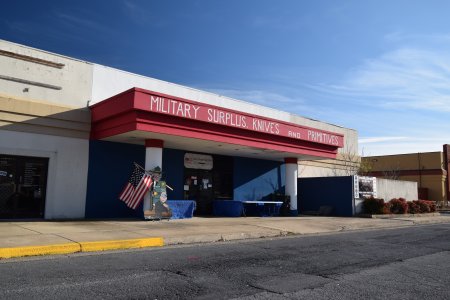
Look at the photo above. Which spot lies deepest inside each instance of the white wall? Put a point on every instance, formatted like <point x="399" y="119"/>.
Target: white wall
<point x="389" y="189"/>
<point x="108" y="82"/>
<point x="315" y="171"/>
<point x="68" y="168"/>
<point x="81" y="82"/>
<point x="75" y="78"/>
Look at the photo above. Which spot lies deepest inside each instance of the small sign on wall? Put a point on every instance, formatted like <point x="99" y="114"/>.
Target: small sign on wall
<point x="364" y="187"/>
<point x="198" y="161"/>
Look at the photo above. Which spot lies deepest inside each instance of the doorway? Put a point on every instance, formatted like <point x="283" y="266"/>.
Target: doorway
<point x="23" y="182"/>
<point x="199" y="187"/>
<point x="208" y="178"/>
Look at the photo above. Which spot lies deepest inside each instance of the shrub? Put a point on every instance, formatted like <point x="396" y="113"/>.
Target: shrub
<point x="373" y="206"/>
<point x="386" y="208"/>
<point x="413" y="207"/>
<point x="424" y="206"/>
<point x="432" y="205"/>
<point x="398" y="206"/>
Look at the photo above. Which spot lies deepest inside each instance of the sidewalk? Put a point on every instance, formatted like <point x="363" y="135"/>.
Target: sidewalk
<point x="19" y="239"/>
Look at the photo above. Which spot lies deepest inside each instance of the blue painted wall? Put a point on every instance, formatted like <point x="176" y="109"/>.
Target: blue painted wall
<point x="111" y="164"/>
<point x="257" y="179"/>
<point x="110" y="167"/>
<point x="173" y="169"/>
<point x="331" y="191"/>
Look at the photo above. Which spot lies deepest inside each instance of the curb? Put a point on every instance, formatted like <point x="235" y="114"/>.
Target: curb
<point x="75" y="247"/>
<point x="394" y="216"/>
<point x="39" y="250"/>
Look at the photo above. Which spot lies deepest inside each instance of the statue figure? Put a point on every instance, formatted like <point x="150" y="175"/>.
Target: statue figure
<point x="159" y="209"/>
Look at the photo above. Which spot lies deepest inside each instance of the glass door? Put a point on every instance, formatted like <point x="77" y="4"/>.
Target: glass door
<point x="23" y="182"/>
<point x="199" y="187"/>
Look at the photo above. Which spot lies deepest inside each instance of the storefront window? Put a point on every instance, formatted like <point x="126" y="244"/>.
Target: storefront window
<point x="23" y="182"/>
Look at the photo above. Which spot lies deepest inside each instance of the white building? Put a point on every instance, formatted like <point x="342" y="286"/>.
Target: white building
<point x="70" y="131"/>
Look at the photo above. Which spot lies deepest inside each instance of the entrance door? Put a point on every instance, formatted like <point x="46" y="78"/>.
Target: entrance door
<point x="23" y="181"/>
<point x="199" y="187"/>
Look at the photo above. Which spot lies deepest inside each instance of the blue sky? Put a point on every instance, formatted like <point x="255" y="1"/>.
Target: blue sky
<point x="380" y="67"/>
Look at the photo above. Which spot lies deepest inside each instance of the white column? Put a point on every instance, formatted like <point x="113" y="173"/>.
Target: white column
<point x="291" y="182"/>
<point x="153" y="158"/>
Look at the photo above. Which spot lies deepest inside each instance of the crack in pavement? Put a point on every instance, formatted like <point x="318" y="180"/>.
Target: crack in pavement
<point x="178" y="273"/>
<point x="263" y="289"/>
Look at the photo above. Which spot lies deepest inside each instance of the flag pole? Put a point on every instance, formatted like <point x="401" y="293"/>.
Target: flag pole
<point x="148" y="172"/>
<point x="139" y="166"/>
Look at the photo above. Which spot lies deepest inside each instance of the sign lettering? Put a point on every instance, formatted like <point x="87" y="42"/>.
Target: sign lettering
<point x="230" y="118"/>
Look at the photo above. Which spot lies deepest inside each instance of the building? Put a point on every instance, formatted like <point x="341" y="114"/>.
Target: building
<point x="70" y="131"/>
<point x="429" y="170"/>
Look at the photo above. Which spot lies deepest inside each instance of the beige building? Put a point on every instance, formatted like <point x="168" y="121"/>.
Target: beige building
<point x="429" y="170"/>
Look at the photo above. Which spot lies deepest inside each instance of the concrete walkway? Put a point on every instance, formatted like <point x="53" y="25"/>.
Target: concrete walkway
<point x="61" y="237"/>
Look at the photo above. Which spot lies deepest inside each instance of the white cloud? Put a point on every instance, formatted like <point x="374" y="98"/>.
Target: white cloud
<point x="380" y="139"/>
<point x="398" y="145"/>
<point x="139" y="14"/>
<point x="402" y="37"/>
<point x="400" y="148"/>
<point x="278" y="22"/>
<point x="403" y="78"/>
<point x="398" y="101"/>
<point x="401" y="99"/>
<point x="255" y="96"/>
<point x="130" y="5"/>
<point x="264" y="98"/>
<point x="89" y="21"/>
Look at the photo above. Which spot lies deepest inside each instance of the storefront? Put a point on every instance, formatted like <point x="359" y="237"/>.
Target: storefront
<point x="207" y="153"/>
<point x="207" y="178"/>
<point x="71" y="130"/>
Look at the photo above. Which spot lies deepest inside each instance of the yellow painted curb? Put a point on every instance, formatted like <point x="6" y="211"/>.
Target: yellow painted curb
<point x="80" y="247"/>
<point x="39" y="250"/>
<point x="121" y="244"/>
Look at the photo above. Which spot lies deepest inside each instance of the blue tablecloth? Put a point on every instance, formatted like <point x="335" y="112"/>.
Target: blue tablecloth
<point x="181" y="209"/>
<point x="262" y="209"/>
<point x="228" y="208"/>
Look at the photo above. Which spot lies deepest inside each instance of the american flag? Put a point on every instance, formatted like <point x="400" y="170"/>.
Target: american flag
<point x="134" y="191"/>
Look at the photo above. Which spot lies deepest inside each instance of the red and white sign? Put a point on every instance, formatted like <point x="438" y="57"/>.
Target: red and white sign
<point x="205" y="113"/>
<point x="156" y="113"/>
